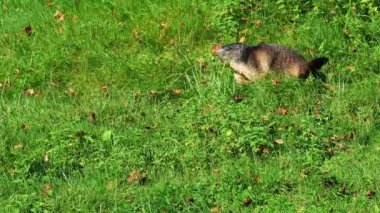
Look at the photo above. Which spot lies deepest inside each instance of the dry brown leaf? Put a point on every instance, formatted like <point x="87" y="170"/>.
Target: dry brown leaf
<point x="153" y="92"/>
<point x="279" y="141"/>
<point x="18" y="146"/>
<point x="136" y="177"/>
<point x="247" y="202"/>
<point x="128" y="198"/>
<point x="237" y="98"/>
<point x="59" y="16"/>
<point x="47" y="189"/>
<point x="201" y="62"/>
<point x="330" y="87"/>
<point x="264" y="150"/>
<point x="165" y="25"/>
<point x="50" y="4"/>
<point x="46" y="158"/>
<point x="275" y="82"/>
<point x="316" y="111"/>
<point x="28" y="30"/>
<point x="25" y="127"/>
<point x="282" y="111"/>
<point x="110" y="185"/>
<point x="136" y="34"/>
<point x="371" y="194"/>
<point x="172" y="42"/>
<point x="257" y="22"/>
<point x="104" y="89"/>
<point x="216" y="209"/>
<point x="177" y="91"/>
<point x="71" y="91"/>
<point x="330" y="151"/>
<point x="341" y="146"/>
<point x="91" y="117"/>
<point x="346" y="31"/>
<point x="215" y="171"/>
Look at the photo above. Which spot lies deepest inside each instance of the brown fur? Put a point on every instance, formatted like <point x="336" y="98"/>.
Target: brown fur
<point x="253" y="62"/>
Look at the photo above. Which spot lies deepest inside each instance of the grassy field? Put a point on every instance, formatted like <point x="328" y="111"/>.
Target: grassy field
<point x="119" y="106"/>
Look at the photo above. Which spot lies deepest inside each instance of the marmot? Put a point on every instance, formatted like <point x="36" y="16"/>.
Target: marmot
<point x="252" y="62"/>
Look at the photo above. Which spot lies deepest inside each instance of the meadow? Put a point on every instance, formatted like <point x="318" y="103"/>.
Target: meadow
<point x="119" y="106"/>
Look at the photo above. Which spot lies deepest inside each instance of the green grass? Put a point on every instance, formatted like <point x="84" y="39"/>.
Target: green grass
<point x="149" y="149"/>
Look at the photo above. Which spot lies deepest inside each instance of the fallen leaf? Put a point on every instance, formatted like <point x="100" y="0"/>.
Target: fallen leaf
<point x="216" y="209"/>
<point x="319" y="103"/>
<point x="189" y="201"/>
<point x="46" y="158"/>
<point x="275" y="82"/>
<point x="350" y="68"/>
<point x="177" y="91"/>
<point x="247" y="202"/>
<point x="346" y="31"/>
<point x="242" y="40"/>
<point x="264" y="150"/>
<point x="18" y="146"/>
<point x="341" y="146"/>
<point x="47" y="189"/>
<point x="330" y="87"/>
<point x="244" y="32"/>
<point x="110" y="185"/>
<point x="165" y="26"/>
<point x="59" y="16"/>
<point x="257" y="22"/>
<point x="201" y="62"/>
<point x="71" y="91"/>
<point x="50" y="4"/>
<point x="128" y="198"/>
<point x="237" y="98"/>
<point x="316" y="111"/>
<point x="279" y="141"/>
<point x="371" y="194"/>
<point x="282" y="111"/>
<point x="136" y="177"/>
<point x="172" y="42"/>
<point x="25" y="127"/>
<point x="215" y="48"/>
<point x="330" y="151"/>
<point x="28" y="30"/>
<point x="215" y="171"/>
<point x="136" y="34"/>
<point x="153" y="92"/>
<point x="91" y="117"/>
<point x="104" y="89"/>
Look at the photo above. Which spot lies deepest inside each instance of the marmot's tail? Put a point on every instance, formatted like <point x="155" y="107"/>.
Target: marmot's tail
<point x="315" y="65"/>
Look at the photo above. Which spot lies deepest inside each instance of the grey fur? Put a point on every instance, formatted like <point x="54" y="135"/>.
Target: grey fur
<point x="252" y="62"/>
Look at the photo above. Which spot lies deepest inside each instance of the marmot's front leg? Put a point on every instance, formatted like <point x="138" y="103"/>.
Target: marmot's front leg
<point x="240" y="79"/>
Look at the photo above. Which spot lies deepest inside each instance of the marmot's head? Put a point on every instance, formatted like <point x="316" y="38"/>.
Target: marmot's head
<point x="231" y="52"/>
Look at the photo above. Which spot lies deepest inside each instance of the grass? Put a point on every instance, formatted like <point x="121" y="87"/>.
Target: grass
<point x="121" y="107"/>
